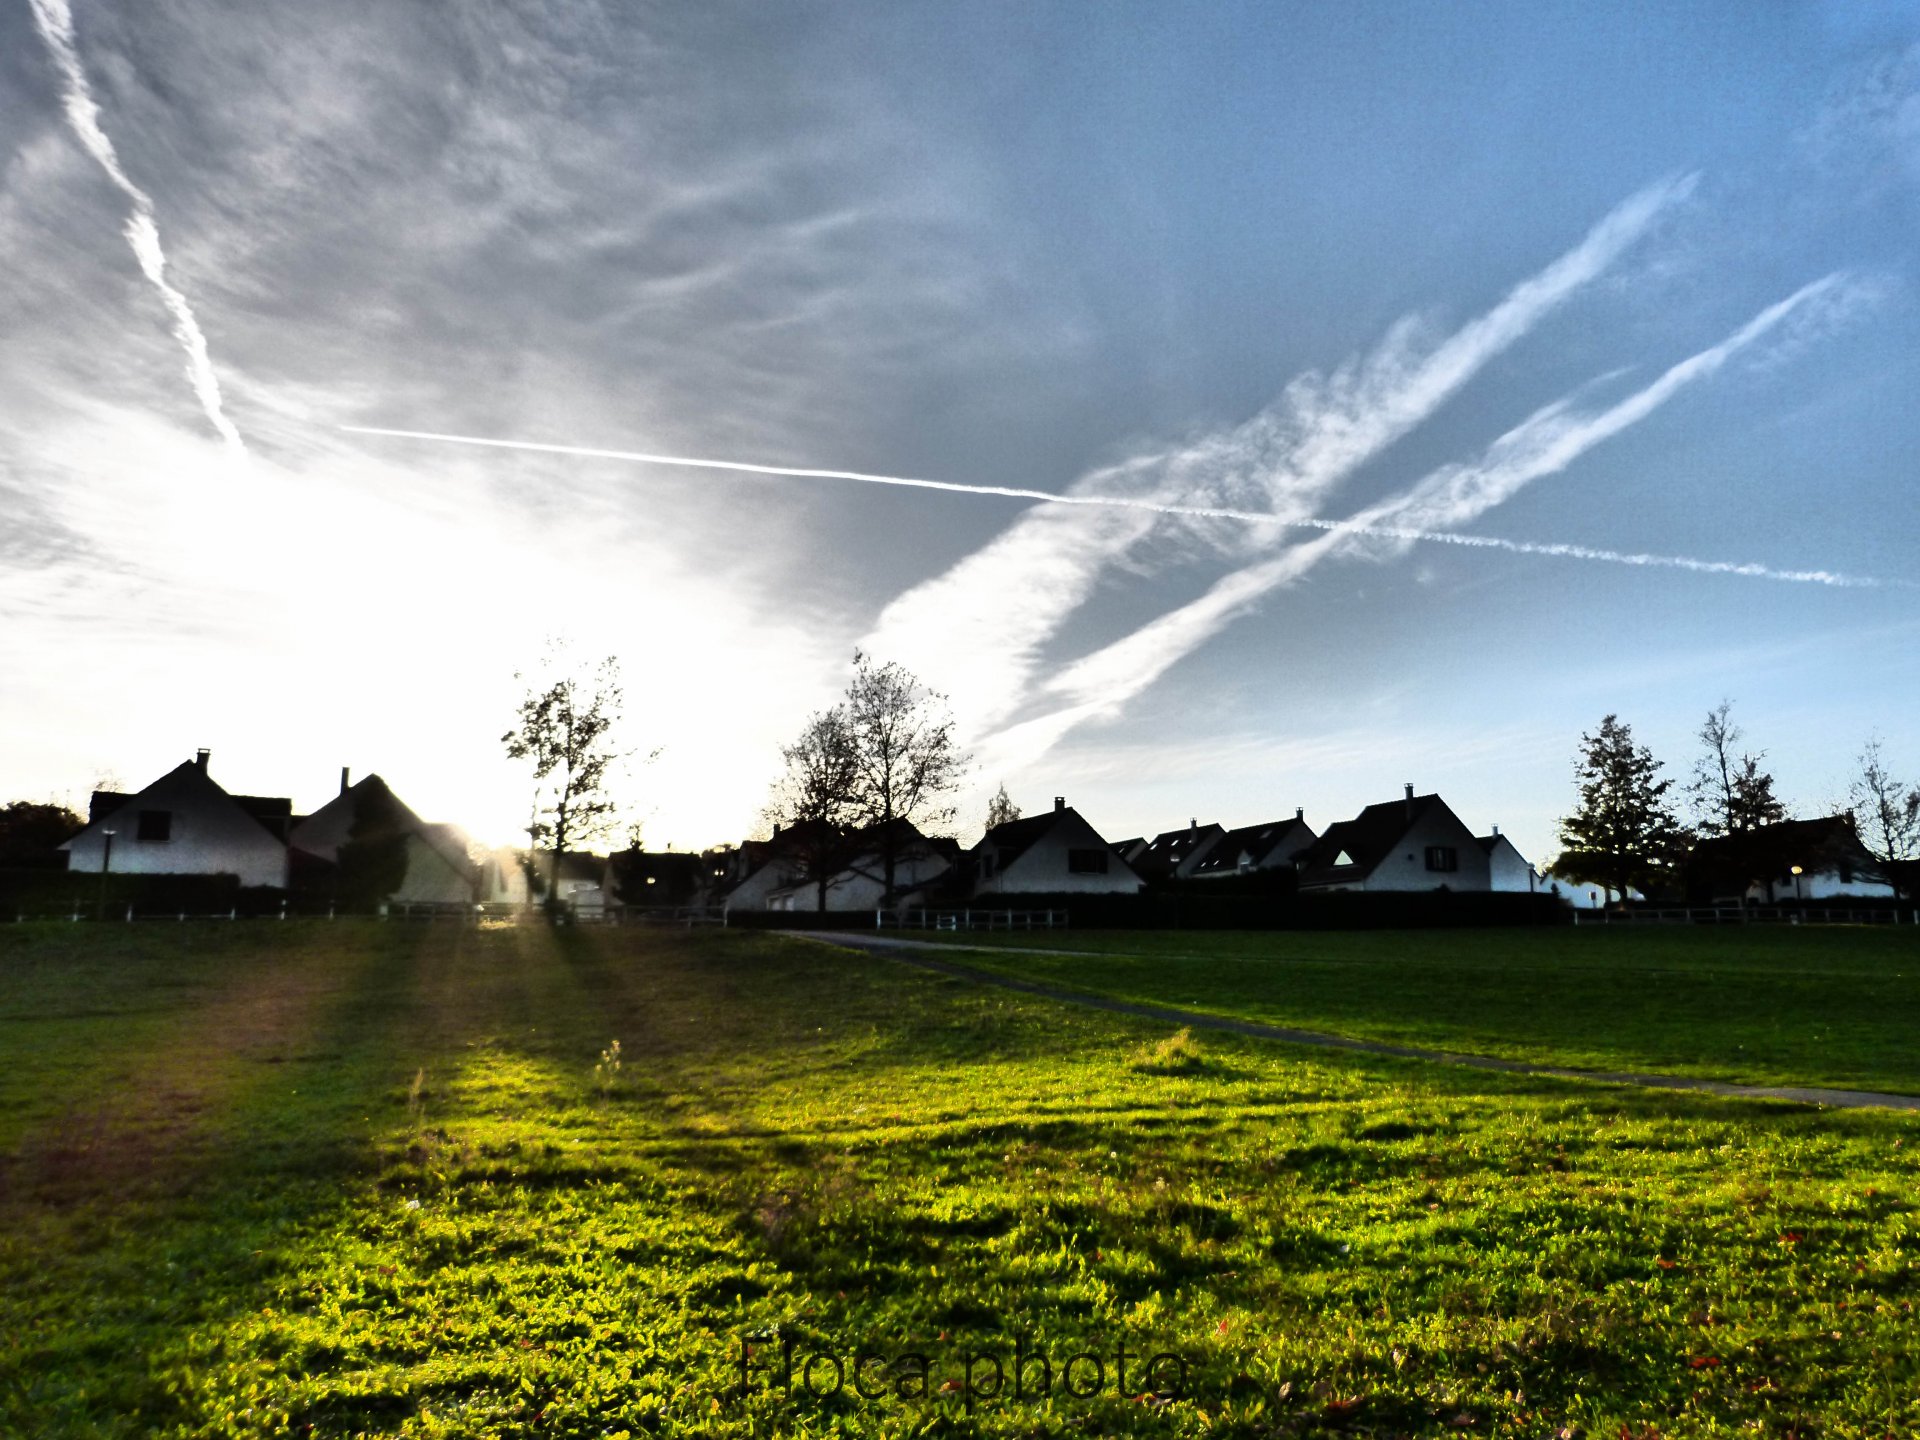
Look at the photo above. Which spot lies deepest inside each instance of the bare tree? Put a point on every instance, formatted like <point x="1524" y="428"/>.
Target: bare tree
<point x="907" y="760"/>
<point x="1000" y="809"/>
<point x="813" y="801"/>
<point x="1890" y="824"/>
<point x="1730" y="795"/>
<point x="565" y="730"/>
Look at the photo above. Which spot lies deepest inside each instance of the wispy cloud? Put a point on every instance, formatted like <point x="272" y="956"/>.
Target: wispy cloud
<point x="54" y="19"/>
<point x="1544" y="444"/>
<point x="979" y="627"/>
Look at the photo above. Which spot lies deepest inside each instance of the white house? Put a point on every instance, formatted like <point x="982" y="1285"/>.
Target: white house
<point x="760" y="868"/>
<point x="918" y="861"/>
<point x="1252" y="848"/>
<point x="438" y="868"/>
<point x="503" y="879"/>
<point x="1415" y="843"/>
<point x="185" y="824"/>
<point x="1053" y="853"/>
<point x="582" y="883"/>
<point x="1507" y="868"/>
<point x="1820" y="859"/>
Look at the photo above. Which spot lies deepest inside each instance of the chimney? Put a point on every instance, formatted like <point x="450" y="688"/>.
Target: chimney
<point x="200" y="759"/>
<point x="1059" y="802"/>
<point x="1300" y="812"/>
<point x="344" y="773"/>
<point x="1496" y="830"/>
<point x="1409" y="800"/>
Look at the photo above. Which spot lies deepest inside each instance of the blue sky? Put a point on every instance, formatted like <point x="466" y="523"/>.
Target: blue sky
<point x="1634" y="279"/>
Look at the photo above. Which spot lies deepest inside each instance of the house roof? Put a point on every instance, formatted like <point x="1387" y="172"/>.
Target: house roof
<point x="1254" y="842"/>
<point x="1830" y="838"/>
<point x="1365" y="840"/>
<point x="274" y="814"/>
<point x="578" y="865"/>
<point x="323" y="832"/>
<point x="1016" y="837"/>
<point x="1171" y="847"/>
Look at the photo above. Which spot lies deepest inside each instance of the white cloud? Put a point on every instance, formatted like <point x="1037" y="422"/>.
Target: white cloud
<point x="978" y="630"/>
<point x="1544" y="444"/>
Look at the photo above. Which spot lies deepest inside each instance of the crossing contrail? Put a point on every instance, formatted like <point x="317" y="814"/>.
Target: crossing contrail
<point x="54" y="20"/>
<point x="1747" y="569"/>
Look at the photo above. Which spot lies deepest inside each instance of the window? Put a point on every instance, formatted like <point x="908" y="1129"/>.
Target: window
<point x="1846" y="872"/>
<point x="1443" y="858"/>
<point x="155" y="825"/>
<point x="1086" y="862"/>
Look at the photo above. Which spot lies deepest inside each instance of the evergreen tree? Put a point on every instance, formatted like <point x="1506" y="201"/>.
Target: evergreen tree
<point x="1624" y="833"/>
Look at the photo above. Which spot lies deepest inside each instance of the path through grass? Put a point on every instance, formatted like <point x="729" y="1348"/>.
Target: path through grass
<point x="1768" y="1005"/>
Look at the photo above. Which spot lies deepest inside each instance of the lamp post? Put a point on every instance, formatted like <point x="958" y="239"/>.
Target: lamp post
<point x="1796" y="885"/>
<point x="106" y="864"/>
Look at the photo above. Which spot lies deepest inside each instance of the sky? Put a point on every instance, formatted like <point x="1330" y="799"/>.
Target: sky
<point x="1427" y="382"/>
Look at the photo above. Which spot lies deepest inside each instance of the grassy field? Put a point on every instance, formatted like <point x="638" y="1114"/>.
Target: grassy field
<point x="1814" y="1005"/>
<point x="289" y="1179"/>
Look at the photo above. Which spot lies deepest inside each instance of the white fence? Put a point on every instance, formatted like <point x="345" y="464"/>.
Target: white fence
<point x="973" y="920"/>
<point x="1741" y="915"/>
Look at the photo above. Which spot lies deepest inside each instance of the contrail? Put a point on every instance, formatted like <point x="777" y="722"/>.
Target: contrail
<point x="1750" y="570"/>
<point x="54" y="19"/>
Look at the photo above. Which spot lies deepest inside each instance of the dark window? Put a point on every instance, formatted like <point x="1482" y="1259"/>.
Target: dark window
<point x="1443" y="857"/>
<point x="1846" y="872"/>
<point x="1086" y="862"/>
<point x="155" y="825"/>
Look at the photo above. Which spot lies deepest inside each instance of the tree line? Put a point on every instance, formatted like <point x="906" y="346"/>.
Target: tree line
<point x="1628" y="831"/>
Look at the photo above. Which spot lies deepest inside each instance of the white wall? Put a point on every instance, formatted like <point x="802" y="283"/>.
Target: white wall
<point x="1042" y="868"/>
<point x="432" y="877"/>
<point x="1508" y="870"/>
<point x="207" y="835"/>
<point x="1405" y="868"/>
<point x="865" y="889"/>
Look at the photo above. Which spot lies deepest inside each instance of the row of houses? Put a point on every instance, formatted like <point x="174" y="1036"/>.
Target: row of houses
<point x="185" y="823"/>
<point x="1414" y="843"/>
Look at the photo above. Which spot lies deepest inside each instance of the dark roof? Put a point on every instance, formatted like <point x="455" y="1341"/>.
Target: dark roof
<point x="1773" y="849"/>
<point x="1813" y="837"/>
<point x="578" y="865"/>
<point x="1256" y="842"/>
<point x="1016" y="837"/>
<point x="1367" y="839"/>
<point x="273" y="812"/>
<point x="1173" y="846"/>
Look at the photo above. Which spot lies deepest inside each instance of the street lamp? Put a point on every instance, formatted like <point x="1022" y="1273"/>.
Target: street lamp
<point x="1796" y="885"/>
<point x="106" y="864"/>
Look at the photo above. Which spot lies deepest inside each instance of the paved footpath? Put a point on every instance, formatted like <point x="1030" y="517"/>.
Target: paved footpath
<point x="915" y="952"/>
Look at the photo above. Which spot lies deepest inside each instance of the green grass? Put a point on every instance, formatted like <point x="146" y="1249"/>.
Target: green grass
<point x="291" y="1179"/>
<point x="1814" y="1005"/>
